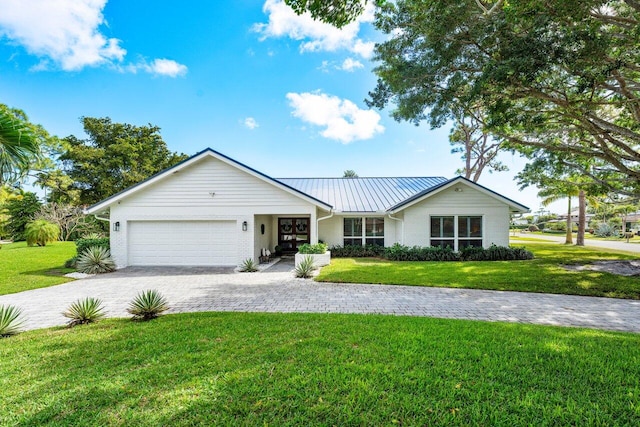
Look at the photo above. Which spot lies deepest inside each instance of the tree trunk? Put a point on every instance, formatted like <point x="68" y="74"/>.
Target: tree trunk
<point x="582" y="218"/>
<point x="569" y="239"/>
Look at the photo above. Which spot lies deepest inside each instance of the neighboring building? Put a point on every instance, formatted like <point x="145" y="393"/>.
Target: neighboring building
<point x="213" y="210"/>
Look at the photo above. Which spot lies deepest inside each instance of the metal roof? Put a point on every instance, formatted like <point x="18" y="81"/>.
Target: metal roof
<point x="363" y="194"/>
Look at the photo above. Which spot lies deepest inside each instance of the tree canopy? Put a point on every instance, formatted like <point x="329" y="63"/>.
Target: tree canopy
<point x="559" y="75"/>
<point x="19" y="145"/>
<point x="114" y="157"/>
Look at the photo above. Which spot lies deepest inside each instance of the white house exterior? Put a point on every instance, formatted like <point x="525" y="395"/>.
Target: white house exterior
<point x="211" y="210"/>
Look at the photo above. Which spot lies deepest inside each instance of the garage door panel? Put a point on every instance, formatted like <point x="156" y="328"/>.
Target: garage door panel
<point x="209" y="243"/>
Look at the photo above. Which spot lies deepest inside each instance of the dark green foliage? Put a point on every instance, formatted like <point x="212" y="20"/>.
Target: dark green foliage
<point x="335" y="12"/>
<point x="84" y="311"/>
<point x="399" y="252"/>
<point x="148" y="305"/>
<point x="83" y="244"/>
<point x="114" y="157"/>
<point x="21" y="212"/>
<point x="71" y="262"/>
<point x="19" y="146"/>
<point x="356" y="251"/>
<point x="495" y="253"/>
<point x="318" y="248"/>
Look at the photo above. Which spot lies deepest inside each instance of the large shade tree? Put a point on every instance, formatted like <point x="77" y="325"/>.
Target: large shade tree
<point x="559" y="75"/>
<point x="114" y="157"/>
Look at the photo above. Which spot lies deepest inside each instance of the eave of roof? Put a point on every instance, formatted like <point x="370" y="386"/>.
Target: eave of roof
<point x="431" y="191"/>
<point x="102" y="205"/>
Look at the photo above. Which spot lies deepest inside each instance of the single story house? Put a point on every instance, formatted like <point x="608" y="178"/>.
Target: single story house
<point x="211" y="210"/>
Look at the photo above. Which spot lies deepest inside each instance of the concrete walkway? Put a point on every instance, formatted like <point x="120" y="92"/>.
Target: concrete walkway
<point x="202" y="289"/>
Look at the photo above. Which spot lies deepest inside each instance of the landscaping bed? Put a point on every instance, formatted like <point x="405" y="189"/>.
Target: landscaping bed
<point x="546" y="273"/>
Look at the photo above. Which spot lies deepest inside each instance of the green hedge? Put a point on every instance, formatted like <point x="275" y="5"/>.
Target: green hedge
<point x="82" y="244"/>
<point x="399" y="252"/>
<point x="318" y="248"/>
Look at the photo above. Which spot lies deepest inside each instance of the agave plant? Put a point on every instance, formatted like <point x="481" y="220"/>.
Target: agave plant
<point x="10" y="321"/>
<point x="305" y="268"/>
<point x="148" y="305"/>
<point x="84" y="311"/>
<point x="95" y="260"/>
<point x="248" y="266"/>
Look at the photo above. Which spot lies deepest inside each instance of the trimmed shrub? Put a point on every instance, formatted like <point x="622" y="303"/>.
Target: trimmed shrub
<point x="84" y="311"/>
<point x="41" y="232"/>
<point x="399" y="252"/>
<point x="495" y="253"/>
<point x="10" y="322"/>
<point x="85" y="243"/>
<point x="533" y="228"/>
<point x="318" y="248"/>
<point x="95" y="260"/>
<point x="356" y="251"/>
<point x="148" y="305"/>
<point x="248" y="266"/>
<point x="305" y="268"/>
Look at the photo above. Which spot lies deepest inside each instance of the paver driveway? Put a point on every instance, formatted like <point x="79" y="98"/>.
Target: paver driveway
<point x="189" y="289"/>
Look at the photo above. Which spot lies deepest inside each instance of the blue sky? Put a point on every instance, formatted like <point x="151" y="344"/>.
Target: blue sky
<point x="248" y="78"/>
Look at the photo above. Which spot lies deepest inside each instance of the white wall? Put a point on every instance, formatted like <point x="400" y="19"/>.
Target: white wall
<point x="469" y="201"/>
<point x="185" y="195"/>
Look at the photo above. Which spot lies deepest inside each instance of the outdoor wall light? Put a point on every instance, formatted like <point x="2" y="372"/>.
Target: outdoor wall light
<point x="116" y="226"/>
<point x="244" y="226"/>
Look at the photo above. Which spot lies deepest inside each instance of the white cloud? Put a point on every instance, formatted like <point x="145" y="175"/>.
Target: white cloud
<point x="350" y="65"/>
<point x="66" y="34"/>
<point x="314" y="35"/>
<point x="251" y="123"/>
<point x="341" y="118"/>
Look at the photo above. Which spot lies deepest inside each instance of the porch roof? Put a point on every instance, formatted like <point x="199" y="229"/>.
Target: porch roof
<point x="363" y="194"/>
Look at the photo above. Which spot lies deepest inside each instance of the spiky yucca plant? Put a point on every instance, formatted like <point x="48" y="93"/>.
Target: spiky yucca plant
<point x="305" y="268"/>
<point x="10" y="321"/>
<point x="248" y="266"/>
<point x="148" y="305"/>
<point x="95" y="260"/>
<point x="84" y="311"/>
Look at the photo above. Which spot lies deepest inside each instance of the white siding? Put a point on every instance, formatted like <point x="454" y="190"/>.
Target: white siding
<point x="469" y="201"/>
<point x="185" y="196"/>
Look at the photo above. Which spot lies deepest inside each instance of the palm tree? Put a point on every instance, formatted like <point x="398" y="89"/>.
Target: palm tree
<point x="18" y="146"/>
<point x="556" y="192"/>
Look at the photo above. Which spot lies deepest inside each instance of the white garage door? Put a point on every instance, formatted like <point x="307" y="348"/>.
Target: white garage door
<point x="182" y="243"/>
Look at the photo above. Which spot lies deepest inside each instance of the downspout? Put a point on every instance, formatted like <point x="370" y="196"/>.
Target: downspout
<point x="401" y="227"/>
<point x="101" y="219"/>
<point x="322" y="219"/>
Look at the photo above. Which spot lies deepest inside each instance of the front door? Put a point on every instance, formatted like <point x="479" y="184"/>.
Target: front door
<point x="292" y="232"/>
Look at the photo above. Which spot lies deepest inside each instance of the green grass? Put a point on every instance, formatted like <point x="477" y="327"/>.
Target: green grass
<point x="25" y="267"/>
<point x="313" y="369"/>
<point x="543" y="274"/>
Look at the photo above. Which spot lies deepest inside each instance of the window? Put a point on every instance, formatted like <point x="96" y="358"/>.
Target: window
<point x="467" y="233"/>
<point x="442" y="231"/>
<point x="371" y="234"/>
<point x="353" y="231"/>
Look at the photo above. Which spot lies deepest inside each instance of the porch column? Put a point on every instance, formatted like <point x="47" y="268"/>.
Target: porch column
<point x="313" y="225"/>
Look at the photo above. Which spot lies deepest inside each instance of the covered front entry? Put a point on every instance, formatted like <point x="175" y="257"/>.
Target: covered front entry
<point x="182" y="243"/>
<point x="293" y="232"/>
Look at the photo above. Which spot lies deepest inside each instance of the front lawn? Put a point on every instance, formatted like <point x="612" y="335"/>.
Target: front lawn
<point x="315" y="369"/>
<point x="24" y="267"/>
<point x="543" y="274"/>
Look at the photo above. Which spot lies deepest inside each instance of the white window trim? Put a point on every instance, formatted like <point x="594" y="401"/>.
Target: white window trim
<point x="456" y="236"/>
<point x="364" y="236"/>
